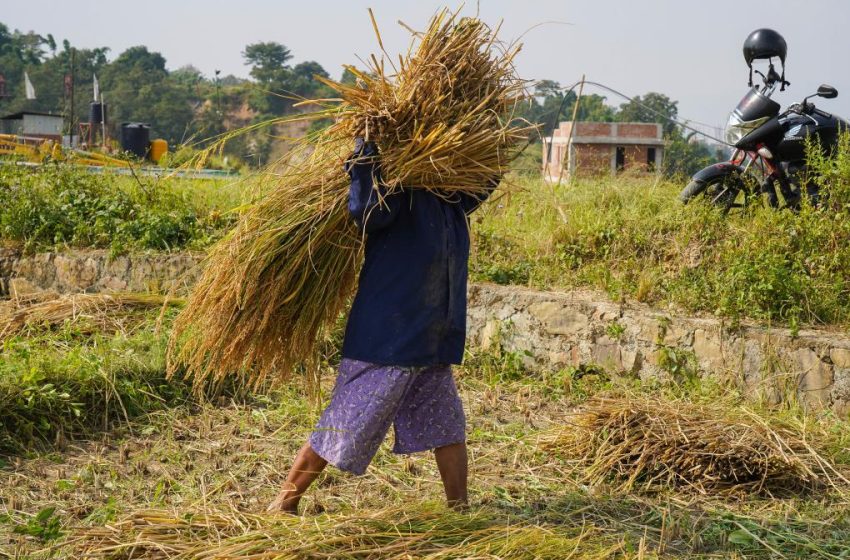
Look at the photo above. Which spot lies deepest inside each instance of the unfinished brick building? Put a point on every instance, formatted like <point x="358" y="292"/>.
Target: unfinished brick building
<point x="596" y="149"/>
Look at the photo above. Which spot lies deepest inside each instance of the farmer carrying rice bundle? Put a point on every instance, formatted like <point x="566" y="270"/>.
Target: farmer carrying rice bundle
<point x="433" y="139"/>
<point x="406" y="327"/>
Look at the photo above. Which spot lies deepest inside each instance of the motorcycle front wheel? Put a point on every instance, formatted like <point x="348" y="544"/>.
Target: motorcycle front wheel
<point x="722" y="192"/>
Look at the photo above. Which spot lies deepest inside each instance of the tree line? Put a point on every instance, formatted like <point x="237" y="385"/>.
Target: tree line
<point x="185" y="106"/>
<point x="181" y="105"/>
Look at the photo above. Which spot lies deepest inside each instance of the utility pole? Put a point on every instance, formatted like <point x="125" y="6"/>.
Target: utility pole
<point x="73" y="105"/>
<point x="218" y="97"/>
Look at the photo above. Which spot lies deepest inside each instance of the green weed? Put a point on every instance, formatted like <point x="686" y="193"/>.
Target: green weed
<point x="55" y="206"/>
<point x="631" y="237"/>
<point x="45" y="526"/>
<point x="61" y="385"/>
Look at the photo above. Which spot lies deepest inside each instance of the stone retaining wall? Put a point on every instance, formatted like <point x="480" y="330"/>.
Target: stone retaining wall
<point x="570" y="329"/>
<point x="549" y="329"/>
<point x="95" y="271"/>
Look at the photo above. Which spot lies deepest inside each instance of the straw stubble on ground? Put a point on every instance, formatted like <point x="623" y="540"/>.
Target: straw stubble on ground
<point x="89" y="313"/>
<point x="645" y="443"/>
<point x="158" y="479"/>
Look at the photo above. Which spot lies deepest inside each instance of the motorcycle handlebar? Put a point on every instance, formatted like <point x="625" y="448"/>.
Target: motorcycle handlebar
<point x="772" y="78"/>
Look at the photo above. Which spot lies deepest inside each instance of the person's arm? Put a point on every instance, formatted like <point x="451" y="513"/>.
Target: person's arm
<point x="370" y="207"/>
<point x="471" y="202"/>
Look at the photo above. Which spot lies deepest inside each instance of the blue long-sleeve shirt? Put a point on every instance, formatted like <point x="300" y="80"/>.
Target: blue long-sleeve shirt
<point x="410" y="307"/>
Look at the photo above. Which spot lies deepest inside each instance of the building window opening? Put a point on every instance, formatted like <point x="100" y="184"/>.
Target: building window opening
<point x="650" y="159"/>
<point x="621" y="158"/>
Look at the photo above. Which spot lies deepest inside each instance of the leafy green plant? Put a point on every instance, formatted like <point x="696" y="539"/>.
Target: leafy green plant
<point x="680" y="364"/>
<point x="45" y="526"/>
<point x="57" y="206"/>
<point x="615" y="330"/>
<point x="498" y="261"/>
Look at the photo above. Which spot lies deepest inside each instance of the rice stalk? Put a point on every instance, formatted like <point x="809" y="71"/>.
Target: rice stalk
<point x="90" y="311"/>
<point x="271" y="288"/>
<point x="649" y="443"/>
<point x="443" y="121"/>
<point x="391" y="534"/>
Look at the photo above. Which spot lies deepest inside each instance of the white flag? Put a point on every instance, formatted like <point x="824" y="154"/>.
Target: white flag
<point x="96" y="88"/>
<point x="28" y="86"/>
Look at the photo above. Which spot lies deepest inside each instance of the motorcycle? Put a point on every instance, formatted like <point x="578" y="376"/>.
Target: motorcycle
<point x="770" y="146"/>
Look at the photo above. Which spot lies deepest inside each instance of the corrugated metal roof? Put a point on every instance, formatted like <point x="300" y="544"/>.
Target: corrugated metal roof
<point x="20" y="115"/>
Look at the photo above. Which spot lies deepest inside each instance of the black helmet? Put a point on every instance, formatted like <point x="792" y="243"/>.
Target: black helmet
<point x="765" y="43"/>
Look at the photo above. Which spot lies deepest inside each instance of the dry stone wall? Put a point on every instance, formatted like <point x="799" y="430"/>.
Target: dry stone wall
<point x="572" y="329"/>
<point x="96" y="271"/>
<point x="548" y="329"/>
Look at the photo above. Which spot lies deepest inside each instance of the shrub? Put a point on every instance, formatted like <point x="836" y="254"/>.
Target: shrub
<point x="57" y="206"/>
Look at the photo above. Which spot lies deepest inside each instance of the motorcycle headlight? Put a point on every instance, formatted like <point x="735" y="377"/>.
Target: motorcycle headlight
<point x="737" y="128"/>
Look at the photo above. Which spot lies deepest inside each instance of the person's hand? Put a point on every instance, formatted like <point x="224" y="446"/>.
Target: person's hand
<point x="362" y="147"/>
<point x="359" y="144"/>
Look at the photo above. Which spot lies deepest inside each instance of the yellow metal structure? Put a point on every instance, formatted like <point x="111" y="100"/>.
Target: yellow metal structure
<point x="38" y="150"/>
<point x="159" y="148"/>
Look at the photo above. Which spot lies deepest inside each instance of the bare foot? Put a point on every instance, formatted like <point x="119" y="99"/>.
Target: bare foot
<point x="308" y="465"/>
<point x="286" y="501"/>
<point x="460" y="507"/>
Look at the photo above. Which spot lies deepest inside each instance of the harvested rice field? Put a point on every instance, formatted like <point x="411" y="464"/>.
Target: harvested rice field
<point x="189" y="480"/>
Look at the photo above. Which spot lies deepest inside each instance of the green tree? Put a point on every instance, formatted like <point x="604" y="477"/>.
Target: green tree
<point x="19" y="53"/>
<point x="546" y="107"/>
<point x="188" y="75"/>
<point x="138" y="87"/>
<point x="280" y="83"/>
<point x="348" y="77"/>
<point x="684" y="155"/>
<point x="594" y="109"/>
<point x="302" y="80"/>
<point x="652" y="108"/>
<point x="267" y="60"/>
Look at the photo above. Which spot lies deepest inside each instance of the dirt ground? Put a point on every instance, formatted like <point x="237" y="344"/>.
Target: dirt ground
<point x="233" y="457"/>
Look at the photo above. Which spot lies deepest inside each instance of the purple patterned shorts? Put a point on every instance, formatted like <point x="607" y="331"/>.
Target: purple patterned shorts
<point x="421" y="403"/>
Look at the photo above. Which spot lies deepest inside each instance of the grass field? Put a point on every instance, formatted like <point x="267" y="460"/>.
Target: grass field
<point x="627" y="236"/>
<point x="631" y="238"/>
<point x="55" y="207"/>
<point x="211" y="468"/>
<point x="102" y="457"/>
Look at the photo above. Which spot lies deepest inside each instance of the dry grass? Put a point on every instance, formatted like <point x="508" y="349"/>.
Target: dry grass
<point x="442" y="122"/>
<point x="275" y="282"/>
<point x="395" y="533"/>
<point x="88" y="312"/>
<point x="442" y="119"/>
<point x="651" y="443"/>
<point x="207" y="474"/>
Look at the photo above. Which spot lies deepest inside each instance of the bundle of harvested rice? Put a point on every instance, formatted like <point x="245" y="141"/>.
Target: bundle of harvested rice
<point x="269" y="290"/>
<point x="94" y="311"/>
<point x="421" y="532"/>
<point x="442" y="120"/>
<point x="651" y="443"/>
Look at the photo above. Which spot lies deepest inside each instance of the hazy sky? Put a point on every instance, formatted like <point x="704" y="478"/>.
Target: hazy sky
<point x="687" y="49"/>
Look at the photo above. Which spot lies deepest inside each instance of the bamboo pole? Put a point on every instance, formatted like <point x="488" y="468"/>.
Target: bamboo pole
<point x="572" y="131"/>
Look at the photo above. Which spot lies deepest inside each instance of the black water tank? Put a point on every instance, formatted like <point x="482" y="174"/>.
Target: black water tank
<point x="97" y="113"/>
<point x="136" y="138"/>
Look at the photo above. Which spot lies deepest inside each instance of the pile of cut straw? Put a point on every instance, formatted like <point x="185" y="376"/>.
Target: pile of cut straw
<point x="442" y="121"/>
<point x="651" y="443"/>
<point x="88" y="312"/>
<point x="391" y="534"/>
